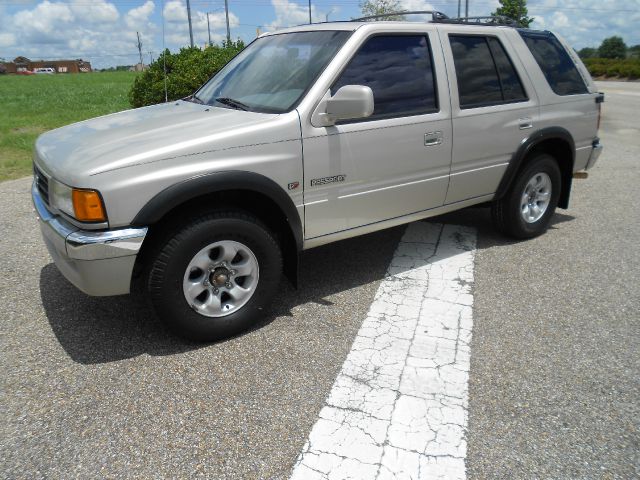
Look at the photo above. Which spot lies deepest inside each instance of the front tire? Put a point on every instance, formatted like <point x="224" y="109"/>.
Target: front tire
<point x="526" y="209"/>
<point x="213" y="277"/>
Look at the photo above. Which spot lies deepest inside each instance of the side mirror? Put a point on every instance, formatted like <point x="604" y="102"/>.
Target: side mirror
<point x="350" y="102"/>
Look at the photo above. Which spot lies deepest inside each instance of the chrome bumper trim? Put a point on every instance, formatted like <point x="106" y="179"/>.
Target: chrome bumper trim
<point x="88" y="244"/>
<point x="595" y="154"/>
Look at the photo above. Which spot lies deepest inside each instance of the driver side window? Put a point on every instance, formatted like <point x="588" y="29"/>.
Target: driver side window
<point x="399" y="71"/>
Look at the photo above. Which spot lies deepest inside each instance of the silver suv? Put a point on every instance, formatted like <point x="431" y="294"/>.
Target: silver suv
<point x="311" y="135"/>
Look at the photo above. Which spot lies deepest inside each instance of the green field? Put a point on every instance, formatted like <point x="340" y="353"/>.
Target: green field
<point x="30" y="105"/>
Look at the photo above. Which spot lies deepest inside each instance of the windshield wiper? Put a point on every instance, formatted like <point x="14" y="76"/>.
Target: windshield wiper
<point x="237" y="104"/>
<point x="193" y="98"/>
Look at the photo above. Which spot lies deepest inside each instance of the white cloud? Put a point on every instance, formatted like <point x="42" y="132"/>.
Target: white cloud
<point x="289" y="14"/>
<point x="139" y="16"/>
<point x="7" y="40"/>
<point x="175" y="11"/>
<point x="46" y="23"/>
<point x="96" y="12"/>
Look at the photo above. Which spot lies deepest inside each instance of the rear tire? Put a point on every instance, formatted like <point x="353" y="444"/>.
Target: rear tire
<point x="213" y="277"/>
<point x="526" y="209"/>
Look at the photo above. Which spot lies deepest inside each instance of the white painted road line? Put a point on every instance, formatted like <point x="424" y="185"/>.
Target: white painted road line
<point x="398" y="409"/>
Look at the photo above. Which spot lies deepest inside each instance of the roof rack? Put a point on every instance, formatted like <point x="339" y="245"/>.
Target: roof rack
<point x="440" y="17"/>
<point x="485" y="20"/>
<point x="435" y="15"/>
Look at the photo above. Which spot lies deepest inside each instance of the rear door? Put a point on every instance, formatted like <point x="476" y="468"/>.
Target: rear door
<point x="395" y="162"/>
<point x="494" y="108"/>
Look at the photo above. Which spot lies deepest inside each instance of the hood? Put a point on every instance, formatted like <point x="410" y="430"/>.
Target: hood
<point x="143" y="135"/>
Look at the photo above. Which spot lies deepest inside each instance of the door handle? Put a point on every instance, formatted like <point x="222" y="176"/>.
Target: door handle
<point x="524" y="123"/>
<point x="432" y="138"/>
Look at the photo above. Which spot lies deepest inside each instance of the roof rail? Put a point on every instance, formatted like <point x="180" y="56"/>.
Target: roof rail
<point x="440" y="17"/>
<point x="435" y="15"/>
<point x="486" y="20"/>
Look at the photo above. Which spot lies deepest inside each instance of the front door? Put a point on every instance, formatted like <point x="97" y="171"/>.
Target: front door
<point x="395" y="162"/>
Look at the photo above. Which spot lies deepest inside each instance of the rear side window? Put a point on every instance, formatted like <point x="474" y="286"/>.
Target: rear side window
<point x="484" y="72"/>
<point x="399" y="71"/>
<point x="511" y="86"/>
<point x="555" y="63"/>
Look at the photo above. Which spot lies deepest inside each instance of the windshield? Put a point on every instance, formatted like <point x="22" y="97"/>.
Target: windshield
<point x="272" y="73"/>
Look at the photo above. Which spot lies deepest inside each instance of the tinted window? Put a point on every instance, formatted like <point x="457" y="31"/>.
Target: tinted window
<point x="555" y="63"/>
<point x="511" y="86"/>
<point x="398" y="69"/>
<point x="478" y="81"/>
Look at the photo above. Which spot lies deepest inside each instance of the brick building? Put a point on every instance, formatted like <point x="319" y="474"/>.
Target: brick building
<point x="21" y="64"/>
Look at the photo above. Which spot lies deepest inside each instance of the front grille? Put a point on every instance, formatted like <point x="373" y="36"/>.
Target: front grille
<point x="42" y="184"/>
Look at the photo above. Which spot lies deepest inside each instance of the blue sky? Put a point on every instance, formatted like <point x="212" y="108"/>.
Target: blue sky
<point x="104" y="31"/>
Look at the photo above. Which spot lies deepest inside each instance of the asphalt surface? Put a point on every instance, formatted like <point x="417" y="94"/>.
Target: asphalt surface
<point x="95" y="387"/>
<point x="555" y="365"/>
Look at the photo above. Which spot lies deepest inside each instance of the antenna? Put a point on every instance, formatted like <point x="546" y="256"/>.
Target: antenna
<point x="164" y="58"/>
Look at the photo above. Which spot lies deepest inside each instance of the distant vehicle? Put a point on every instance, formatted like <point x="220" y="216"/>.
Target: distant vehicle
<point x="48" y="70"/>
<point x="25" y="72"/>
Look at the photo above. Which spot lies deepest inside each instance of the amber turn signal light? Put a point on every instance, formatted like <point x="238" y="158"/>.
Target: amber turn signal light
<point x="87" y="206"/>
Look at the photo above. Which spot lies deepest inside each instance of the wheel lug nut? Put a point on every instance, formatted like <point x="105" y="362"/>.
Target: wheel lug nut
<point x="228" y="284"/>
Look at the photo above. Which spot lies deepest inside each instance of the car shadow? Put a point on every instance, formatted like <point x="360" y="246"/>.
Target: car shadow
<point x="105" y="329"/>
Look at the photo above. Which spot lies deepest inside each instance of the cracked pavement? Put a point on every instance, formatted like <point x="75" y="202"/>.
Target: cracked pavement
<point x="398" y="408"/>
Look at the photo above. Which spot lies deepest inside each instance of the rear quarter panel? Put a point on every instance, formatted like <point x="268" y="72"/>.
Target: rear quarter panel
<point x="578" y="114"/>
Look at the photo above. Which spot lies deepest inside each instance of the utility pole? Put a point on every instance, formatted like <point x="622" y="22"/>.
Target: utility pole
<point x="310" y="22"/>
<point x="140" y="49"/>
<point x="459" y="7"/>
<point x="190" y="27"/>
<point x="151" y="57"/>
<point x="209" y="28"/>
<point x="466" y="8"/>
<point x="226" y="12"/>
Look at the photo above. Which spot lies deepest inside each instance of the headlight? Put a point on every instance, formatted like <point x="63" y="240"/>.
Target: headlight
<point x="82" y="204"/>
<point x="61" y="197"/>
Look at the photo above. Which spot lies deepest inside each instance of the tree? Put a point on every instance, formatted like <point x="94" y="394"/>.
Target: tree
<point x="186" y="70"/>
<point x="381" y="7"/>
<point x="516" y="10"/>
<point x="633" y="52"/>
<point x="612" y="47"/>
<point x="588" y="52"/>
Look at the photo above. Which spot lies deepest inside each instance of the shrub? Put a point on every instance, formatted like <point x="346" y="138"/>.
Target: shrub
<point x="187" y="70"/>
<point x="610" y="67"/>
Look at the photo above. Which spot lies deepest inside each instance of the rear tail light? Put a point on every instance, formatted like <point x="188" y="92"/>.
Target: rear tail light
<point x="599" y="100"/>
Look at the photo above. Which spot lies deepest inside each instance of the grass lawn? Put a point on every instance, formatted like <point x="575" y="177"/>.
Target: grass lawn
<point x="30" y="105"/>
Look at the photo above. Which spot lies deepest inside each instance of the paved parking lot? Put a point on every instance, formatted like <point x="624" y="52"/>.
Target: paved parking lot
<point x="95" y="387"/>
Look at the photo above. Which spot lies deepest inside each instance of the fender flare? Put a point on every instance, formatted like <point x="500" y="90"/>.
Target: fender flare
<point x="190" y="188"/>
<point x="526" y="146"/>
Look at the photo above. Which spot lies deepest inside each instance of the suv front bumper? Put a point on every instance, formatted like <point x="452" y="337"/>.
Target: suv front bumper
<point x="99" y="263"/>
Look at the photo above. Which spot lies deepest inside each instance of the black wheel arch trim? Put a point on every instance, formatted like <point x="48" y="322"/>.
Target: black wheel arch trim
<point x="526" y="146"/>
<point x="190" y="188"/>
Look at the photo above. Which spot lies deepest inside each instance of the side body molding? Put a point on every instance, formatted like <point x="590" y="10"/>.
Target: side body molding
<point x="527" y="145"/>
<point x="209" y="183"/>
